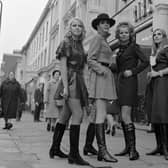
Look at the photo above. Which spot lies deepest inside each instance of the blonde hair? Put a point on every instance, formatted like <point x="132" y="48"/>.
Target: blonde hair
<point x="155" y="48"/>
<point x="69" y="31"/>
<point x="130" y="29"/>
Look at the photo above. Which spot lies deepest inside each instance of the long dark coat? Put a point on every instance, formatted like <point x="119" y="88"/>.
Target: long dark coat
<point x="128" y="58"/>
<point x="156" y="105"/>
<point x="10" y="93"/>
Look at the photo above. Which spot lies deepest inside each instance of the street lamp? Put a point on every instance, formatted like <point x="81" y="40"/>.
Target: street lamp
<point x="1" y="5"/>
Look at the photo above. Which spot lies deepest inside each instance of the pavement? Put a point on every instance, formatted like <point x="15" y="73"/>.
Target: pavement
<point x="27" y="144"/>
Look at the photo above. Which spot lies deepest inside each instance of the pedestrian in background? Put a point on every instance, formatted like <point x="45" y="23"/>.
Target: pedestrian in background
<point x="72" y="61"/>
<point x="38" y="100"/>
<point x="22" y="103"/>
<point x="51" y="110"/>
<point x="128" y="57"/>
<point x="101" y="80"/>
<point x="10" y="94"/>
<point x="157" y="95"/>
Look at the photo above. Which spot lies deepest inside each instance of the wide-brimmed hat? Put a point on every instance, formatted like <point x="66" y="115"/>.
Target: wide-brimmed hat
<point x="100" y="17"/>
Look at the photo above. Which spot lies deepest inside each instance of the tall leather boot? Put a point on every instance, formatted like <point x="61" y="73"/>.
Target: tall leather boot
<point x="57" y="137"/>
<point x="130" y="130"/>
<point x="103" y="154"/>
<point x="164" y="138"/>
<point x="88" y="148"/>
<point x="126" y="149"/>
<point x="158" y="149"/>
<point x="74" y="156"/>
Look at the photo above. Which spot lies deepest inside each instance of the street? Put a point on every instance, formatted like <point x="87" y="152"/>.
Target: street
<point x="26" y="145"/>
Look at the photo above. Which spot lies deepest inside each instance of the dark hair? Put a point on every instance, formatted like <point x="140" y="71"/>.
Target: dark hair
<point x="55" y="71"/>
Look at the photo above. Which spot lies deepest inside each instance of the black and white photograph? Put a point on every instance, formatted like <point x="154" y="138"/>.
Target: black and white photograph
<point x="83" y="83"/>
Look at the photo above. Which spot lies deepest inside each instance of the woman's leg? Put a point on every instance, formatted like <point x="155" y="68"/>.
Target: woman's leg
<point x="59" y="132"/>
<point x="90" y="134"/>
<point x="103" y="154"/>
<point x="77" y="115"/>
<point x="129" y="132"/>
<point x="48" y="124"/>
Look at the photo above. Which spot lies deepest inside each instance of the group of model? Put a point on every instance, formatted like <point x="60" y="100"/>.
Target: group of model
<point x="102" y="88"/>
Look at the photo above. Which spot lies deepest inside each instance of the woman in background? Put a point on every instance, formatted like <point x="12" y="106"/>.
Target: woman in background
<point x="51" y="110"/>
<point x="10" y="94"/>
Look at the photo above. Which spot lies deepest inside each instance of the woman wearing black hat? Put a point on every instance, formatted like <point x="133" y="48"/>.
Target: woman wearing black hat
<point x="101" y="80"/>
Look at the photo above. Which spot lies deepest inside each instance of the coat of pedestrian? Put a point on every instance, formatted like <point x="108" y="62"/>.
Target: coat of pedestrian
<point x="130" y="61"/>
<point x="101" y="85"/>
<point x="38" y="100"/>
<point x="157" y="92"/>
<point x="72" y="61"/>
<point x="10" y="94"/>
<point x="51" y="110"/>
<point x="22" y="104"/>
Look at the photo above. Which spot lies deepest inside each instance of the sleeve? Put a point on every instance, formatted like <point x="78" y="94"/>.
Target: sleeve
<point x="93" y="53"/>
<point x="36" y="96"/>
<point x="1" y="90"/>
<point x="166" y="52"/>
<point x="46" y="92"/>
<point x="144" y="62"/>
<point x="64" y="49"/>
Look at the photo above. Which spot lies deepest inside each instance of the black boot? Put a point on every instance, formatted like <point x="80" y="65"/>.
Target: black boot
<point x="88" y="148"/>
<point x="74" y="156"/>
<point x="130" y="130"/>
<point x="57" y="137"/>
<point x="126" y="149"/>
<point x="103" y="154"/>
<point x="158" y="149"/>
<point x="164" y="139"/>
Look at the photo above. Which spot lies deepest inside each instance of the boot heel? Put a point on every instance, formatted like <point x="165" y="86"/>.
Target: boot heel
<point x="51" y="154"/>
<point x="85" y="153"/>
<point x="99" y="158"/>
<point x="70" y="161"/>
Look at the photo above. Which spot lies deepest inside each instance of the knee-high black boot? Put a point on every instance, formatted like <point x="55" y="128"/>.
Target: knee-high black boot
<point x="158" y="149"/>
<point x="57" y="137"/>
<point x="164" y="139"/>
<point x="74" y="156"/>
<point x="130" y="130"/>
<point x="126" y="149"/>
<point x="103" y="154"/>
<point x="88" y="148"/>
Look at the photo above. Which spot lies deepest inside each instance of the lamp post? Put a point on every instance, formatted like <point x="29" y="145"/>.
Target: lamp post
<point x="1" y="5"/>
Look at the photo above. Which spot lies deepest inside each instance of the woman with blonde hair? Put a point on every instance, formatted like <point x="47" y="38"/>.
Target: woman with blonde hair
<point x="128" y="57"/>
<point x="157" y="96"/>
<point x="72" y="61"/>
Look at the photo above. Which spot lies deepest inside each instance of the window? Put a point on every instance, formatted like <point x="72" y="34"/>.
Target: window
<point x="46" y="31"/>
<point x="45" y="57"/>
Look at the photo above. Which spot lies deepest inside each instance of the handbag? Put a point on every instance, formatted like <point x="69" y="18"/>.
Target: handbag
<point x="59" y="100"/>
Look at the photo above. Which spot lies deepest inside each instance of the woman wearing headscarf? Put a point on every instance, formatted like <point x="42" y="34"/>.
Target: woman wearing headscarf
<point x="72" y="61"/>
<point x="101" y="79"/>
<point x="130" y="61"/>
<point x="52" y="111"/>
<point x="10" y="94"/>
<point x="157" y="95"/>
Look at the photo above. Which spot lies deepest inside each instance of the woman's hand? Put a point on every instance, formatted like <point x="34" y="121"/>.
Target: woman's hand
<point x="65" y="93"/>
<point x="152" y="74"/>
<point x="127" y="73"/>
<point x="105" y="70"/>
